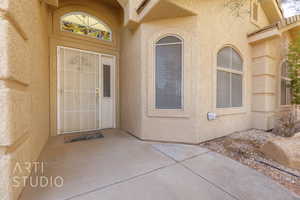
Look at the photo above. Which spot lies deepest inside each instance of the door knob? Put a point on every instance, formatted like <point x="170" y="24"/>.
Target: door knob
<point x="97" y="91"/>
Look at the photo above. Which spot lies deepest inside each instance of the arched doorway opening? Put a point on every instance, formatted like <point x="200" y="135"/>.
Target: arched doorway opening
<point x="84" y="54"/>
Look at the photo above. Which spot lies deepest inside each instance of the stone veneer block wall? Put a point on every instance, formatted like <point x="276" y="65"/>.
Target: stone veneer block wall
<point x="4" y="186"/>
<point x="19" y="10"/>
<point x="20" y="154"/>
<point x="24" y="82"/>
<point x="14" y="54"/>
<point x="14" y="118"/>
<point x="265" y="55"/>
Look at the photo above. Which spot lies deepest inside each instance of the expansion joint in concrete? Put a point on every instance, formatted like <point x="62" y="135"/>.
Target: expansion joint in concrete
<point x="210" y="182"/>
<point x="119" y="182"/>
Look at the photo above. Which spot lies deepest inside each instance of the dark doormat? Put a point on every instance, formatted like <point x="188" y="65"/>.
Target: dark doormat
<point x="82" y="137"/>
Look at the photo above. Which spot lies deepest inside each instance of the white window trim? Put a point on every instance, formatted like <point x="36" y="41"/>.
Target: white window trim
<point x="229" y="110"/>
<point x="182" y="71"/>
<point x="152" y="111"/>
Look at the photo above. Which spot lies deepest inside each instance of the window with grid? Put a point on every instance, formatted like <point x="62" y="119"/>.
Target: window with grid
<point x="285" y="81"/>
<point x="229" y="79"/>
<point x="168" y="73"/>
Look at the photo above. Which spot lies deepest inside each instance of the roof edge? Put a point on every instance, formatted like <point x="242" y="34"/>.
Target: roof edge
<point x="272" y="10"/>
<point x="282" y="24"/>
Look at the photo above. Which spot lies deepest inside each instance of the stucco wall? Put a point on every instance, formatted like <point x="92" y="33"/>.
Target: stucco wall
<point x="24" y="87"/>
<point x="209" y="34"/>
<point x="25" y="82"/>
<point x="268" y="56"/>
<point x="130" y="81"/>
<point x="204" y="35"/>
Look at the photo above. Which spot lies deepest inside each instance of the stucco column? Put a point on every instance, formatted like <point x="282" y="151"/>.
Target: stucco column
<point x="23" y="90"/>
<point x="264" y="86"/>
<point x="14" y="100"/>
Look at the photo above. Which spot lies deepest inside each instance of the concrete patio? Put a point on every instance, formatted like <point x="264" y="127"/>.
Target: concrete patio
<point x="119" y="166"/>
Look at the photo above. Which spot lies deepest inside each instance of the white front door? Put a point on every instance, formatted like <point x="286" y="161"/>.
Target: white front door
<point x="85" y="91"/>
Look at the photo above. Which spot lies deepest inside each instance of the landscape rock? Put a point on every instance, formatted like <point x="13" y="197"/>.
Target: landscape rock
<point x="285" y="151"/>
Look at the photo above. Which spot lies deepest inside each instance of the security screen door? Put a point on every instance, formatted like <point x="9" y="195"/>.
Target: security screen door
<point x="81" y="91"/>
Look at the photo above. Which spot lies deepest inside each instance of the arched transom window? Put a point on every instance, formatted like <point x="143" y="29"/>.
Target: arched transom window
<point x="83" y="24"/>
<point x="285" y="81"/>
<point x="229" y="79"/>
<point x="168" y="73"/>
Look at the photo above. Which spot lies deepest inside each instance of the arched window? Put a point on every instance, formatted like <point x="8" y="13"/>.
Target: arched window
<point x="84" y="24"/>
<point x="168" y="73"/>
<point x="229" y="79"/>
<point x="285" y="81"/>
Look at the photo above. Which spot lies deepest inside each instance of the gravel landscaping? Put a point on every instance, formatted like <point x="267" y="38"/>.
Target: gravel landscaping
<point x="245" y="148"/>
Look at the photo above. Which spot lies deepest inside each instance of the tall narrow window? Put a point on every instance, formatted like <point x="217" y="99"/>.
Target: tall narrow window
<point x="285" y="81"/>
<point x="168" y="73"/>
<point x="229" y="79"/>
<point x="106" y="81"/>
<point x="84" y="24"/>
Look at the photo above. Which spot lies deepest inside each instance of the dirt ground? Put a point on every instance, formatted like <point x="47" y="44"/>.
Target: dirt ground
<point x="245" y="148"/>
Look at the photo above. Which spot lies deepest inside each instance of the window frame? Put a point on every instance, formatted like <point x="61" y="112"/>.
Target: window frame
<point x="231" y="109"/>
<point x="182" y="69"/>
<point x="286" y="79"/>
<point x="82" y="35"/>
<point x="150" y="42"/>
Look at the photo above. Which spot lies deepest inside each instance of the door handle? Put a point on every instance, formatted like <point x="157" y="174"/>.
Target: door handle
<point x="97" y="91"/>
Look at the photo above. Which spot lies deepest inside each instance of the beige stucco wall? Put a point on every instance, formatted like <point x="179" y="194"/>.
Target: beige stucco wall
<point x="268" y="55"/>
<point x="130" y="82"/>
<point x="203" y="35"/>
<point x="24" y="87"/>
<point x="28" y="82"/>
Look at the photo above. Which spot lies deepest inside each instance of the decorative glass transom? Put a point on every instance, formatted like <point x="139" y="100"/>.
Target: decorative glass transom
<point x="84" y="24"/>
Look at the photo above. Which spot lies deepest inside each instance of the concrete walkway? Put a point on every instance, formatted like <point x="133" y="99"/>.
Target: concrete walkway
<point x="121" y="167"/>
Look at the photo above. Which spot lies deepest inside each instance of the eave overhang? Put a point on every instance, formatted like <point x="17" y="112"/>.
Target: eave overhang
<point x="163" y="9"/>
<point x="291" y="24"/>
<point x="148" y="10"/>
<point x="272" y="10"/>
<point x="51" y="2"/>
<point x="137" y="12"/>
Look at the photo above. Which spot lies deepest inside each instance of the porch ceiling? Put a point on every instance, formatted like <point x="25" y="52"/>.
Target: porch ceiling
<point x="272" y="10"/>
<point x="154" y="9"/>
<point x="161" y="10"/>
<point x="113" y="3"/>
